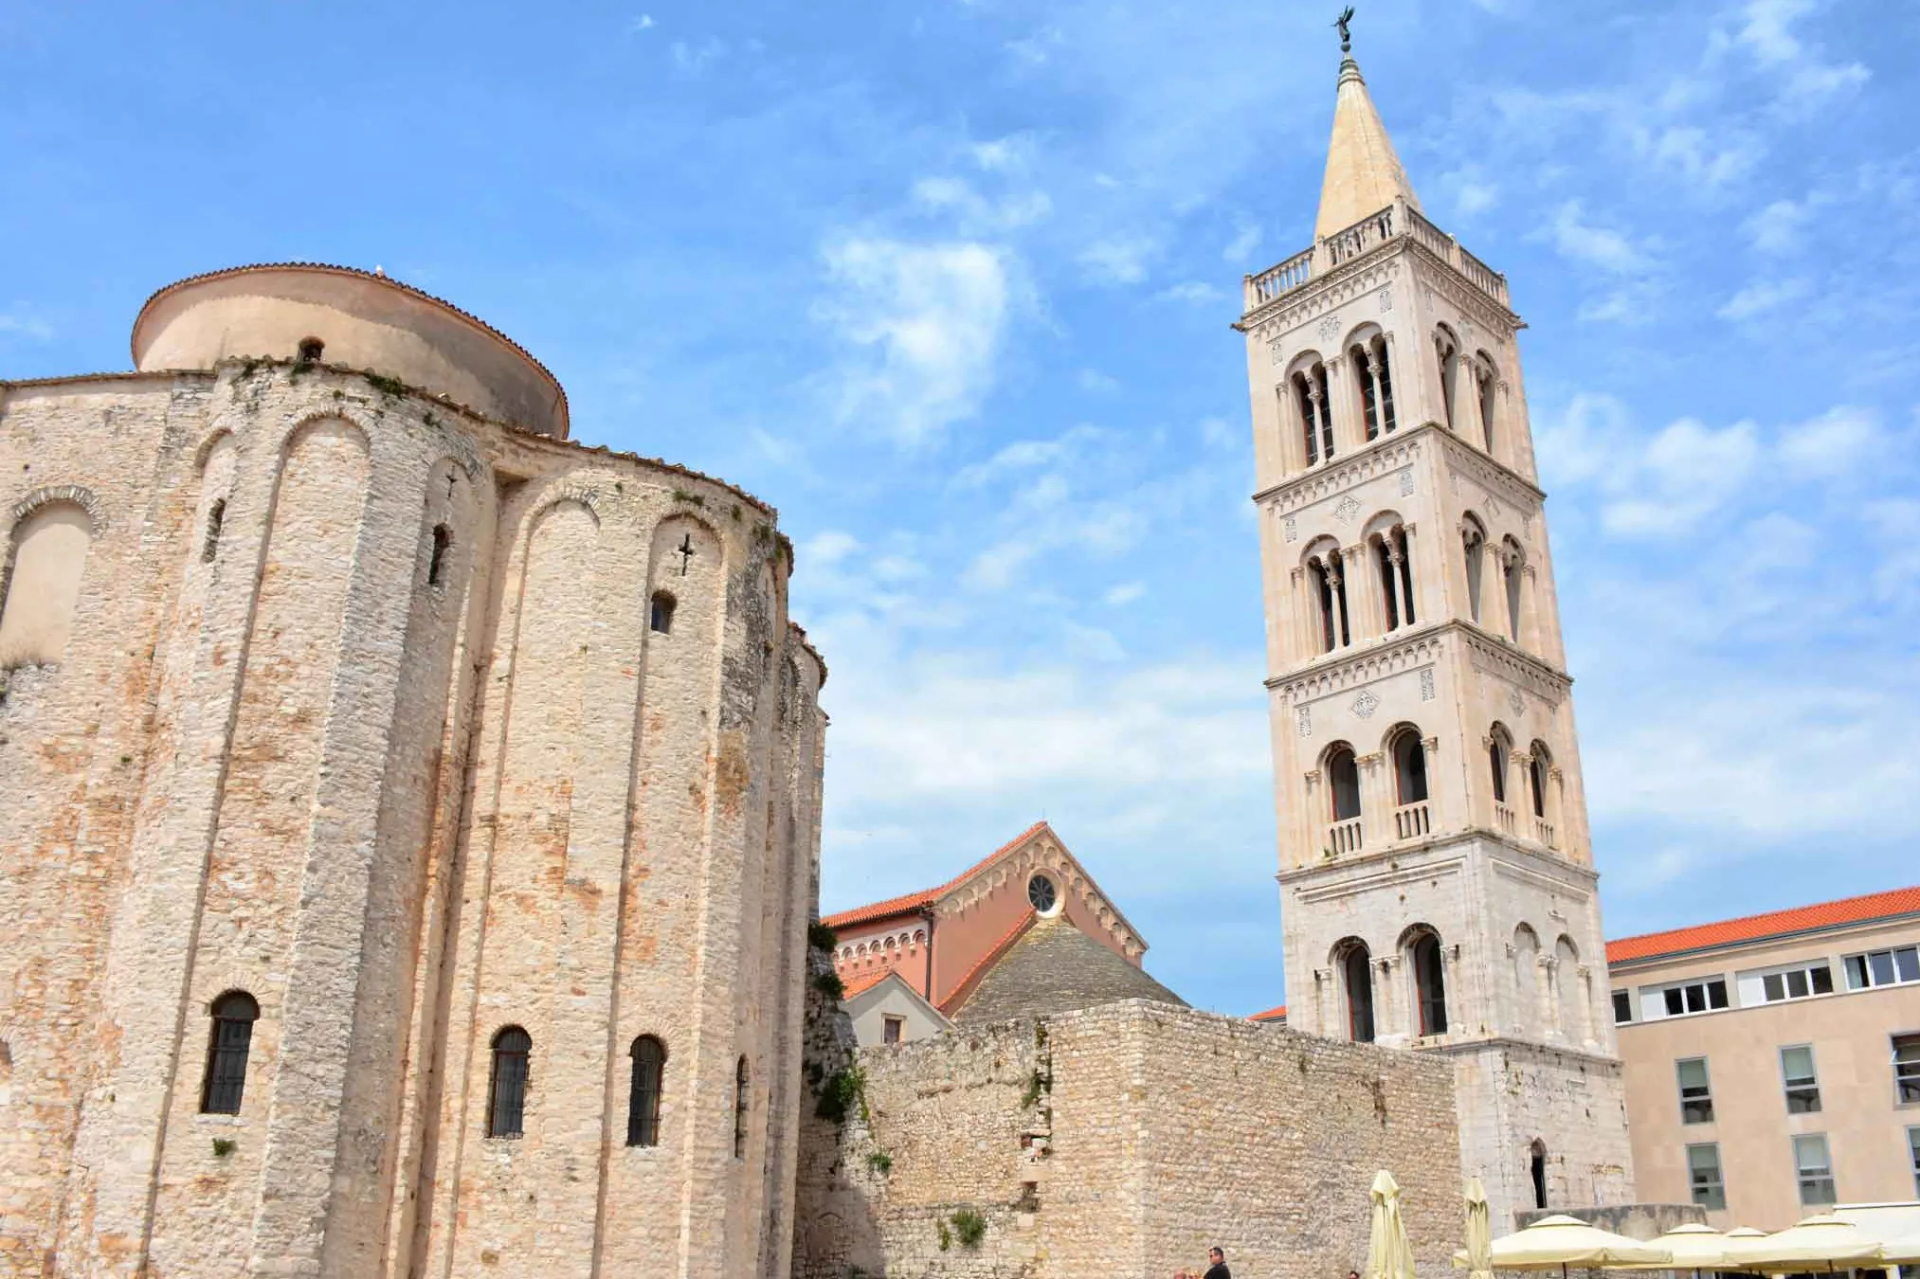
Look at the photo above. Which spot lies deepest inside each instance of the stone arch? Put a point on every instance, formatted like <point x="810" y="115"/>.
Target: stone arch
<point x="1569" y="989"/>
<point x="1352" y="964"/>
<point x="1424" y="958"/>
<point x="1474" y="550"/>
<point x="49" y="540"/>
<point x="1303" y="362"/>
<point x="1525" y="949"/>
<point x="77" y="494"/>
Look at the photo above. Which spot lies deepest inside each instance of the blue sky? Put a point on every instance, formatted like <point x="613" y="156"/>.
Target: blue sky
<point x="950" y="283"/>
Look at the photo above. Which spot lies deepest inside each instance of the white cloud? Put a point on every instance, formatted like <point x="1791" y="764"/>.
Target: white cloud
<point x="1766" y="32"/>
<point x="694" y="58"/>
<point x="926" y="321"/>
<point x="1037" y="49"/>
<point x="1192" y="291"/>
<point x="1836" y="443"/>
<point x="1762" y="296"/>
<point x="1095" y="381"/>
<point x="25" y="323"/>
<point x="1687" y="471"/>
<point x="975" y="214"/>
<point x="1580" y="241"/>
<point x="1776" y="228"/>
<point x="642" y="23"/>
<point x="1117" y="259"/>
<point x="1027" y="455"/>
<point x="1011" y="154"/>
<point x="1125" y="593"/>
<point x="1239" y="250"/>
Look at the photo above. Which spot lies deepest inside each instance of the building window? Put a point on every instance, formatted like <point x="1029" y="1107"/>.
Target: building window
<point x="891" y="1028"/>
<point x="1042" y="895"/>
<point x="437" y="561"/>
<point x="41" y="585"/>
<point x="740" y="1100"/>
<point x="1622" y="1007"/>
<point x="1913" y="1148"/>
<point x="1430" y="981"/>
<point x="1797" y="983"/>
<point x="1906" y="1069"/>
<point x="1371" y="367"/>
<point x="1684" y="999"/>
<point x="1703" y="1175"/>
<point x="1356" y="970"/>
<point x="643" y="1095"/>
<point x="1316" y="412"/>
<point x="1330" y="593"/>
<point x="1410" y="768"/>
<point x="311" y="350"/>
<point x="1802" y="1083"/>
<point x="507" y="1089"/>
<point x="216" y="517"/>
<point x="1343" y="777"/>
<point x="1814" y="1168"/>
<point x="1473" y="540"/>
<point x="1537" y="1169"/>
<point x="1537" y="767"/>
<point x="660" y="617"/>
<point x="1499" y="750"/>
<point x="1696" y="1092"/>
<point x="1883" y="968"/>
<point x="233" y="1016"/>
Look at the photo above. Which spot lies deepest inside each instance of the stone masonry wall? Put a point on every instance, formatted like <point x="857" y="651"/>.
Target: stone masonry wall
<point x="1123" y="1141"/>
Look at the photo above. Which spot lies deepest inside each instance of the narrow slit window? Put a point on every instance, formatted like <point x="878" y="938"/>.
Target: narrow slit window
<point x="507" y="1090"/>
<point x="437" y="562"/>
<point x="741" y="1099"/>
<point x="232" y="1037"/>
<point x="661" y="615"/>
<point x="216" y="516"/>
<point x="643" y="1102"/>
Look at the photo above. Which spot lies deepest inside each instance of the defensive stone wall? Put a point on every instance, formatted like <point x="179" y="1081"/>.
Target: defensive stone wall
<point x="1125" y="1140"/>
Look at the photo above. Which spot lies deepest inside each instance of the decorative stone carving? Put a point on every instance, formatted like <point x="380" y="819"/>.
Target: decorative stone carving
<point x="1329" y="330"/>
<point x="1303" y="721"/>
<point x="1406" y="482"/>
<point x="1516" y="701"/>
<point x="1292" y="527"/>
<point x="1347" y="509"/>
<point x="1365" y="704"/>
<point x="1386" y="299"/>
<point x="1426" y="684"/>
<point x="1277" y="351"/>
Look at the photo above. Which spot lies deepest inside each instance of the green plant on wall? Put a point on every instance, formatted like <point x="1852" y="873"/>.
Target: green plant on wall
<point x="969" y="1227"/>
<point x="830" y="985"/>
<point x="881" y="1162"/>
<point x="946" y="1236"/>
<point x="821" y="937"/>
<point x="839" y="1093"/>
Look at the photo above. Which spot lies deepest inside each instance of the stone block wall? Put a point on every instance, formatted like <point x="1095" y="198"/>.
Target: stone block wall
<point x="1125" y="1140"/>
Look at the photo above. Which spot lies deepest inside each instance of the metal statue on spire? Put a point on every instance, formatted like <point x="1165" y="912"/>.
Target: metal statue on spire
<point x="1346" y="39"/>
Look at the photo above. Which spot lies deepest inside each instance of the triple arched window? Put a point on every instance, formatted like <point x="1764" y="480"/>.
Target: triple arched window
<point x="228" y="1045"/>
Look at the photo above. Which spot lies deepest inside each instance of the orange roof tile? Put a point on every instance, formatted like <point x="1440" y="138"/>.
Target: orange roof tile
<point x="911" y="903"/>
<point x="963" y="987"/>
<point x="1272" y="1014"/>
<point x="1778" y="923"/>
<point x="864" y="982"/>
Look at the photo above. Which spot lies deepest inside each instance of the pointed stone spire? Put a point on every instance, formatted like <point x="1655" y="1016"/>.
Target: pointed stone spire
<point x="1363" y="173"/>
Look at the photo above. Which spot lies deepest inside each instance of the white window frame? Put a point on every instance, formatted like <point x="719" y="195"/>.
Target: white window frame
<point x="1898" y="957"/>
<point x="1653" y="999"/>
<point x="1717" y="1188"/>
<point x="1753" y="984"/>
<point x="1680" y="1090"/>
<point x="1910" y="1075"/>
<point x="1801" y="1169"/>
<point x="1913" y="1154"/>
<point x="1787" y="1085"/>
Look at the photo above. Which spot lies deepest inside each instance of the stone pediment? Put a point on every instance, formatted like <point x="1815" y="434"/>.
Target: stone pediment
<point x="1043" y="851"/>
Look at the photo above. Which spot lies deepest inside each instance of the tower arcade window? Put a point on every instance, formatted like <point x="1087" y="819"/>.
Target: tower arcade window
<point x="1356" y="975"/>
<point x="232" y="1037"/>
<point x="1330" y="592"/>
<point x="1447" y="351"/>
<point x="1409" y="767"/>
<point x="1512" y="564"/>
<point x="1316" y="412"/>
<point x="1370" y="365"/>
<point x="1394" y="560"/>
<point x="1474" y="542"/>
<point x="507" y="1086"/>
<point x="1343" y="794"/>
<point x="1499" y="753"/>
<point x="1537" y="768"/>
<point x="643" y="1094"/>
<point x="1430" y="984"/>
<point x="1485" y="384"/>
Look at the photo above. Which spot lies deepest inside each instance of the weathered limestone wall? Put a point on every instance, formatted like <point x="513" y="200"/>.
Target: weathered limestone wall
<point x="361" y="713"/>
<point x="1126" y="1139"/>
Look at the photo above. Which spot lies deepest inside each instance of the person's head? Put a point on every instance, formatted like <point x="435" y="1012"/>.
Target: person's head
<point x="1216" y="1256"/>
<point x="1353" y="1274"/>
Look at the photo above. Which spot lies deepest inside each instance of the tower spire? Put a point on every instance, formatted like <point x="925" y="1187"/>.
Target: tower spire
<point x="1363" y="173"/>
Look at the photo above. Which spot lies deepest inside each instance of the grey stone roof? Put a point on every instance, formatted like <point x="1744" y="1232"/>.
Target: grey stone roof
<point x="1055" y="968"/>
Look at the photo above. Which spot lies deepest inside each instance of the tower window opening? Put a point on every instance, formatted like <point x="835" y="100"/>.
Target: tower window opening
<point x="216" y="516"/>
<point x="1512" y="565"/>
<point x="311" y="349"/>
<point x="1316" y="413"/>
<point x="1474" y="544"/>
<point x="437" y="561"/>
<point x="232" y="1039"/>
<point x="1497" y="754"/>
<point x="1356" y="972"/>
<point x="1537" y="768"/>
<point x="507" y="1089"/>
<point x="660" y="616"/>
<point x="1389" y="582"/>
<point x="1487" y="384"/>
<point x="1410" y="767"/>
<point x="1330" y="589"/>
<point x="1449" y="358"/>
<point x="740" y="1100"/>
<point x="1343" y="783"/>
<point x="643" y="1100"/>
<point x="1430" y="983"/>
<point x="1392" y="555"/>
<point x="1537" y="1170"/>
<point x="1370" y="367"/>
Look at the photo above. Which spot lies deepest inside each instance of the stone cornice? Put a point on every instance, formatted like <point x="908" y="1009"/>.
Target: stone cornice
<point x="1461" y="292"/>
<point x="1348" y="280"/>
<point x="1364" y="666"/>
<point x="1388" y="453"/>
<point x="1489" y="472"/>
<point x="1498" y="657"/>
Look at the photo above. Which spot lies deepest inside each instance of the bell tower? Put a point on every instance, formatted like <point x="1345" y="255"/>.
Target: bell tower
<point x="1437" y="886"/>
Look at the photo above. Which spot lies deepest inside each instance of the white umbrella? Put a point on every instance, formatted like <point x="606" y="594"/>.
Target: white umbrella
<point x="1901" y="1252"/>
<point x="1824" y="1241"/>
<point x="1694" y="1247"/>
<point x="1389" y="1256"/>
<point x="1558" y="1242"/>
<point x="1479" y="1250"/>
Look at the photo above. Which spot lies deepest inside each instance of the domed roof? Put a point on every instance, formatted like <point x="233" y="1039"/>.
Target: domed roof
<point x="359" y="319"/>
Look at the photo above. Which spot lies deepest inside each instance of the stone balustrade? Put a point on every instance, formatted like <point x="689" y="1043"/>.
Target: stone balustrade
<point x="1398" y="221"/>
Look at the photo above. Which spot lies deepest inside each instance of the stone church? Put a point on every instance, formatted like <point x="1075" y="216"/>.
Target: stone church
<point x="412" y="836"/>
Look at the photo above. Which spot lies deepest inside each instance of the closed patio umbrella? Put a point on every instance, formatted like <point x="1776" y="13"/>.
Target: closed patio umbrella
<point x="1389" y="1256"/>
<point x="1558" y="1242"/>
<point x="1479" y="1250"/>
<point x="1818" y="1243"/>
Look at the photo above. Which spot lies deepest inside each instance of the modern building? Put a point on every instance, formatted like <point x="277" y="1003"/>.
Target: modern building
<point x="1023" y="932"/>
<point x="1773" y="1062"/>
<point x="412" y="814"/>
<point x="1437" y="886"/>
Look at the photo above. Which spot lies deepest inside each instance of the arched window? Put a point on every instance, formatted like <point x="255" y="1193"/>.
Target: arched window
<point x="1499" y="753"/>
<point x="311" y="349"/>
<point x="210" y="543"/>
<point x="507" y="1089"/>
<point x="1409" y="767"/>
<point x="232" y="1035"/>
<point x="740" y="1099"/>
<point x="1430" y="984"/>
<point x="1370" y="365"/>
<point x="1485" y="386"/>
<point x="1537" y="1170"/>
<point x="1512" y="564"/>
<point x="1474" y="541"/>
<point x="1448" y="352"/>
<point x="1343" y="782"/>
<point x="1356" y="975"/>
<point x="1393" y="558"/>
<point x="1526" y="979"/>
<point x="1330" y="593"/>
<point x="42" y="583"/>
<point x="643" y="1095"/>
<point x="1316" y="412"/>
<point x="1571" y="989"/>
<point x="660" y="618"/>
<point x="437" y="561"/>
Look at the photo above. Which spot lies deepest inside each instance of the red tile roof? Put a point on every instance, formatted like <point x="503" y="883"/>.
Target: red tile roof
<point x="865" y="981"/>
<point x="964" y="986"/>
<point x="911" y="903"/>
<point x="1779" y="923"/>
<point x="1272" y="1014"/>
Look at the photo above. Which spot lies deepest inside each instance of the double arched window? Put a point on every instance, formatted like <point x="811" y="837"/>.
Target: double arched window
<point x="507" y="1085"/>
<point x="643" y="1093"/>
<point x="1316" y="411"/>
<point x="1374" y="376"/>
<point x="227" y="1048"/>
<point x="1329" y="585"/>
